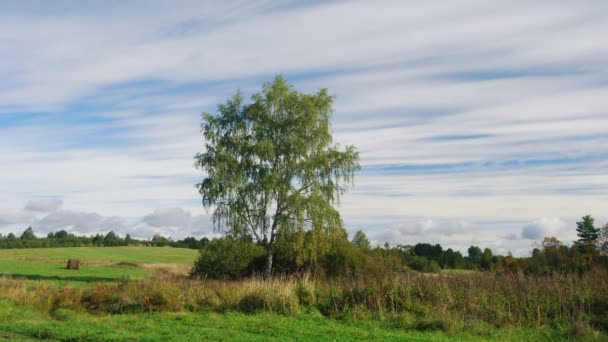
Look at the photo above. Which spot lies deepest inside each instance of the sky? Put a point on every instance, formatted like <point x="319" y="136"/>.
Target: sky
<point x="478" y="122"/>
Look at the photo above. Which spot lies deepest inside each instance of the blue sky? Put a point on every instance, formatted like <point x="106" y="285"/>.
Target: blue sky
<point x="478" y="122"/>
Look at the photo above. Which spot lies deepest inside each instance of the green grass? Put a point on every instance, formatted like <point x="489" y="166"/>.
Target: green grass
<point x="66" y="325"/>
<point x="103" y="254"/>
<point x="98" y="264"/>
<point x="88" y="304"/>
<point x="46" y="271"/>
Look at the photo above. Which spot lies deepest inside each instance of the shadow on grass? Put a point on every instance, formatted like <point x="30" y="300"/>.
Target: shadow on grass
<point x="58" y="278"/>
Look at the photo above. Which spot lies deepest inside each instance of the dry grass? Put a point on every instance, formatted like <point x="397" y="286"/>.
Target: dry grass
<point x="171" y="268"/>
<point x="454" y="302"/>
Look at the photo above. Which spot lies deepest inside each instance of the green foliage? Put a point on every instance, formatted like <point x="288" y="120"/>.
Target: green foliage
<point x="554" y="257"/>
<point x="360" y="240"/>
<point x="586" y="231"/>
<point x="62" y="234"/>
<point x="227" y="258"/>
<point x="603" y="240"/>
<point x="28" y="234"/>
<point x="486" y="259"/>
<point x="159" y="240"/>
<point x="64" y="239"/>
<point x="317" y="252"/>
<point x="453" y="260"/>
<point x="344" y="259"/>
<point x="271" y="165"/>
<point x="475" y="255"/>
<point x="111" y="239"/>
<point x="424" y="264"/>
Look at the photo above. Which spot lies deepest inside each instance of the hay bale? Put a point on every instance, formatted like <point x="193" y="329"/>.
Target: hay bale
<point x="73" y="264"/>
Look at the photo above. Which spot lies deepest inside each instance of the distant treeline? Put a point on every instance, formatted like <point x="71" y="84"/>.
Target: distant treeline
<point x="64" y="239"/>
<point x="335" y="255"/>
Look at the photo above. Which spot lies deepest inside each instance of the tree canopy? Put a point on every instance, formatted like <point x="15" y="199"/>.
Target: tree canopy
<point x="272" y="165"/>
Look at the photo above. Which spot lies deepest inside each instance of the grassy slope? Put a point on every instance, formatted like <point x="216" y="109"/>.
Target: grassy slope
<point x="42" y="264"/>
<point x="23" y="323"/>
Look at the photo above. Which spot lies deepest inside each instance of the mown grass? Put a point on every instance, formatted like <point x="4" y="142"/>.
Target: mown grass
<point x="58" y="273"/>
<point x="103" y="254"/>
<point x="98" y="264"/>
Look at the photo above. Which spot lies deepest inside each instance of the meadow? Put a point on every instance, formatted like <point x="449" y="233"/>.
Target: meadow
<point x="98" y="264"/>
<point x="126" y="294"/>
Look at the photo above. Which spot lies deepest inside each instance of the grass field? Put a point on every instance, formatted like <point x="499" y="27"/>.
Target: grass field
<point x="103" y="254"/>
<point x="98" y="264"/>
<point x="22" y="323"/>
<point x="119" y="294"/>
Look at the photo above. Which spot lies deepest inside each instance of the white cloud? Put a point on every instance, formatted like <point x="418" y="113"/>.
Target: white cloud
<point x="9" y="217"/>
<point x="170" y="217"/>
<point x="44" y="205"/>
<point x="179" y="222"/>
<point x="545" y="226"/>
<point x="421" y="230"/>
<point x="78" y="223"/>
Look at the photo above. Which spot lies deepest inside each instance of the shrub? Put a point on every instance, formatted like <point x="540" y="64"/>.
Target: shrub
<point x="423" y="264"/>
<point x="344" y="259"/>
<point x="228" y="258"/>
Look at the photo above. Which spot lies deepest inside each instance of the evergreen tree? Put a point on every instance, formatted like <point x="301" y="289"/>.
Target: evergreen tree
<point x="586" y="231"/>
<point x="361" y="241"/>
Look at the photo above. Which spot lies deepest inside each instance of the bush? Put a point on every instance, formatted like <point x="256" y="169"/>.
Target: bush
<point x="228" y="258"/>
<point x="423" y="264"/>
<point x="344" y="260"/>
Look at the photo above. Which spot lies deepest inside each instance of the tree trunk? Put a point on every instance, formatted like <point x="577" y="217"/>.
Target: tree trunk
<point x="268" y="264"/>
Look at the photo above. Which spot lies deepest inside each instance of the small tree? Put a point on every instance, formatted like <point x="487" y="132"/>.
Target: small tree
<point x="62" y="234"/>
<point x="486" y="259"/>
<point x="360" y="240"/>
<point x="272" y="165"/>
<point x="586" y="231"/>
<point x="475" y="255"/>
<point x="551" y="242"/>
<point x="111" y="239"/>
<point x="159" y="241"/>
<point x="28" y="234"/>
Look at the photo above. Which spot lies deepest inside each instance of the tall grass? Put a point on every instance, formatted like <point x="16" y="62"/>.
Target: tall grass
<point x="447" y="302"/>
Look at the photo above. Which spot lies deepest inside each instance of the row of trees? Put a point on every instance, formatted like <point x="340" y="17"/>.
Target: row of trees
<point x="62" y="238"/>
